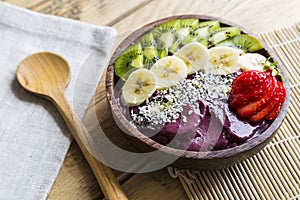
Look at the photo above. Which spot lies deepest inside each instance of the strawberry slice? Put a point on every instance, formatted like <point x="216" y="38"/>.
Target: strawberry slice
<point x="281" y="95"/>
<point x="268" y="107"/>
<point x="253" y="107"/>
<point x="238" y="100"/>
<point x="248" y="87"/>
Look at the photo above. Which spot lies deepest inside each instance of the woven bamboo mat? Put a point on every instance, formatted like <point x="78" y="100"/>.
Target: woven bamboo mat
<point x="273" y="173"/>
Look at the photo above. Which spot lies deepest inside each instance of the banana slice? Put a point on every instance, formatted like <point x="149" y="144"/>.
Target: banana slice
<point x="169" y="71"/>
<point x="139" y="86"/>
<point x="223" y="60"/>
<point x="195" y="55"/>
<point x="252" y="61"/>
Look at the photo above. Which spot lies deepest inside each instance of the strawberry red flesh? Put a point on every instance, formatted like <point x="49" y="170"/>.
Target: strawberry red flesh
<point x="257" y="95"/>
<point x="281" y="95"/>
<point x="268" y="107"/>
<point x="255" y="106"/>
<point x="249" y="86"/>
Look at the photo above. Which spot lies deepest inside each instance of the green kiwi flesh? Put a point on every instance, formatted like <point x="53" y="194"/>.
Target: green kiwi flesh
<point x="164" y="33"/>
<point x="244" y="42"/>
<point x="129" y="61"/>
<point x="202" y="32"/>
<point x="222" y="34"/>
<point x="166" y="38"/>
<point x="149" y="50"/>
<point x="183" y="30"/>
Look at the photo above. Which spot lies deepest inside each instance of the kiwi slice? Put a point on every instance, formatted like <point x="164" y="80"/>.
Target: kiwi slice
<point x="166" y="38"/>
<point x="223" y="33"/>
<point x="164" y="34"/>
<point x="185" y="27"/>
<point x="149" y="50"/>
<point x="244" y="42"/>
<point x="202" y="31"/>
<point x="130" y="60"/>
<point x="183" y="31"/>
<point x="162" y="52"/>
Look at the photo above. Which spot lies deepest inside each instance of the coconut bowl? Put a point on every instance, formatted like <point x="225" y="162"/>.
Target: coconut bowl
<point x="190" y="159"/>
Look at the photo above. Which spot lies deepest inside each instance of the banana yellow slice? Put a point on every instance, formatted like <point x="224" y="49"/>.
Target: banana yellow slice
<point x="169" y="71"/>
<point x="139" y="86"/>
<point x="223" y="60"/>
<point x="252" y="61"/>
<point x="195" y="55"/>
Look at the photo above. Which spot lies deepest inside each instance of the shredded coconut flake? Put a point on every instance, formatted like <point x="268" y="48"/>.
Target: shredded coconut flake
<point x="167" y="104"/>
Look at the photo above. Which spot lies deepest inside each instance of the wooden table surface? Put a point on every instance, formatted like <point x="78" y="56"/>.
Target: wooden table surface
<point x="75" y="179"/>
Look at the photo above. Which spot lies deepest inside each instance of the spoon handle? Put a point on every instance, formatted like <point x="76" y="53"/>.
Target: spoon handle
<point x="104" y="175"/>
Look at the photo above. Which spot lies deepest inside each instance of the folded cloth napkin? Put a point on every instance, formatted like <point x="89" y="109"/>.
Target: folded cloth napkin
<point x="33" y="137"/>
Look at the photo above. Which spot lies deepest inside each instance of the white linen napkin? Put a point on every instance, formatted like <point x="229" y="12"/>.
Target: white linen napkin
<point x="33" y="137"/>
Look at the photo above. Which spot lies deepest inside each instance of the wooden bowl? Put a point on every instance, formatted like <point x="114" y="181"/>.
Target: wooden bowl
<point x="189" y="159"/>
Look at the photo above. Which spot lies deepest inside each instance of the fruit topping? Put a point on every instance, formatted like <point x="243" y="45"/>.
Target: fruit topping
<point x="252" y="61"/>
<point x="169" y="37"/>
<point x="280" y="99"/>
<point x="222" y="34"/>
<point x="169" y="71"/>
<point x="139" y="86"/>
<point x="184" y="29"/>
<point x="250" y="86"/>
<point x="195" y="55"/>
<point x="129" y="61"/>
<point x="254" y="107"/>
<point x="164" y="35"/>
<point x="222" y="60"/>
<point x="244" y="42"/>
<point x="149" y="50"/>
<point x="201" y="32"/>
<point x="255" y="95"/>
<point x="200" y="86"/>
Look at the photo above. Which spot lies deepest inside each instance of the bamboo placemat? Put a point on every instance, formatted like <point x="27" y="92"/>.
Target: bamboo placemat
<point x="273" y="173"/>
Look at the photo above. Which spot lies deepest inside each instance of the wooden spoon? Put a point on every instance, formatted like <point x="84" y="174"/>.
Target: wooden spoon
<point x="47" y="74"/>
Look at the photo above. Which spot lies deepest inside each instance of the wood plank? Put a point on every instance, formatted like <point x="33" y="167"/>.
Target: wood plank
<point x="103" y="12"/>
<point x="256" y="16"/>
<point x="75" y="179"/>
<point x="265" y="16"/>
<point x="107" y="12"/>
<point x="24" y="3"/>
<point x="153" y="186"/>
<point x="159" y="9"/>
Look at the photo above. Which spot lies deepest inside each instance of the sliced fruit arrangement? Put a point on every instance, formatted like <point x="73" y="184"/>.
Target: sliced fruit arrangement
<point x="258" y="95"/>
<point x="150" y="54"/>
<point x="130" y="60"/>
<point x="169" y="71"/>
<point x="243" y="42"/>
<point x="223" y="60"/>
<point x="164" y="36"/>
<point x="140" y="85"/>
<point x="169" y="37"/>
<point x="172" y="51"/>
<point x="252" y="61"/>
<point x="202" y="32"/>
<point x="195" y="55"/>
<point x="185" y="27"/>
<point x="222" y="34"/>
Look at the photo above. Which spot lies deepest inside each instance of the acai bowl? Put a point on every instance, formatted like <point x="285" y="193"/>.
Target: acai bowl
<point x="199" y="88"/>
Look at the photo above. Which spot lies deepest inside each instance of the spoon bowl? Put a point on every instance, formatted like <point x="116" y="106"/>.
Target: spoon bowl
<point x="48" y="74"/>
<point x="43" y="72"/>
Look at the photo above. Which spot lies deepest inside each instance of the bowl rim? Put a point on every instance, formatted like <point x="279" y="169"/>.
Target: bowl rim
<point x="224" y="153"/>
